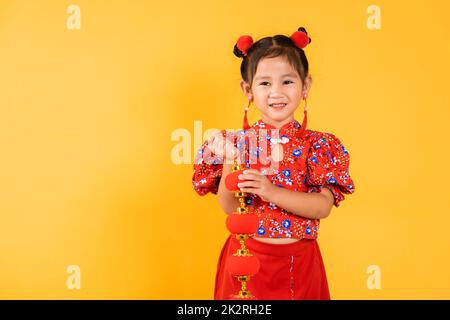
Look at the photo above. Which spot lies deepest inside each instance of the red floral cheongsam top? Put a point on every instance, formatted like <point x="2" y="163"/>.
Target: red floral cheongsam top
<point x="311" y="160"/>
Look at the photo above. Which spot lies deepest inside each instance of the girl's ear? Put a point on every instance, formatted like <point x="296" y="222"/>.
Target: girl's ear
<point x="246" y="90"/>
<point x="307" y="84"/>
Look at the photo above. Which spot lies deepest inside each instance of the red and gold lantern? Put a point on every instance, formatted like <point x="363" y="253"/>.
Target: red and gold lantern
<point x="242" y="224"/>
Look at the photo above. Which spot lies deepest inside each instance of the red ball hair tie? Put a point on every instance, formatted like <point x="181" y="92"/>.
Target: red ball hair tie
<point x="301" y="38"/>
<point x="244" y="43"/>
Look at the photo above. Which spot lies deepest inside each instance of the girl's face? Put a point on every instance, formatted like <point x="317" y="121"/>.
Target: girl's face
<point x="276" y="82"/>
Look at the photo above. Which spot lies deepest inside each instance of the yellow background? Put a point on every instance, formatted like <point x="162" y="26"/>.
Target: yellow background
<point x="86" y="118"/>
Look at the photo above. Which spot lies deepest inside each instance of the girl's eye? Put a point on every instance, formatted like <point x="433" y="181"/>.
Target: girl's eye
<point x="288" y="81"/>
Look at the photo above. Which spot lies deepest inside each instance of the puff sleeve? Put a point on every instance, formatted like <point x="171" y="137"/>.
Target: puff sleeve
<point x="207" y="171"/>
<point x="328" y="166"/>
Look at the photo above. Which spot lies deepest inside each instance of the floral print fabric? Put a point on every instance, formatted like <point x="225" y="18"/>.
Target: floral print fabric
<point x="311" y="160"/>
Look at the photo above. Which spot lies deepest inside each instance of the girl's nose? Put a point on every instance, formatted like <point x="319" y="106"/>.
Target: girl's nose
<point x="276" y="90"/>
<point x="276" y="93"/>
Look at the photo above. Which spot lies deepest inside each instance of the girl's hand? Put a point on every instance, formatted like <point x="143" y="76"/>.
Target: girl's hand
<point x="222" y="148"/>
<point x="257" y="183"/>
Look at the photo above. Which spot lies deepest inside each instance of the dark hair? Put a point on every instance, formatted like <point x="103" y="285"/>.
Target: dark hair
<point x="271" y="47"/>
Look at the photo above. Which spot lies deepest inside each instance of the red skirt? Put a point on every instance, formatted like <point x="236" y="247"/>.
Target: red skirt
<point x="293" y="271"/>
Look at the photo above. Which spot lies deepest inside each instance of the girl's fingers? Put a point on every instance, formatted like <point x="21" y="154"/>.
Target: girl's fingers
<point x="246" y="184"/>
<point x="214" y="138"/>
<point x="249" y="190"/>
<point x="230" y="152"/>
<point x="254" y="171"/>
<point x="215" y="144"/>
<point x="211" y="144"/>
<point x="250" y="176"/>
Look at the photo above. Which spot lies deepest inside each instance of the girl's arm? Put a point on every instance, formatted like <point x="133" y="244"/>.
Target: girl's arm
<point x="227" y="200"/>
<point x="312" y="205"/>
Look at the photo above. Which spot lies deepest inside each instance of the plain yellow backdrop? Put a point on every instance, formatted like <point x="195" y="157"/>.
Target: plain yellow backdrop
<point x="86" y="118"/>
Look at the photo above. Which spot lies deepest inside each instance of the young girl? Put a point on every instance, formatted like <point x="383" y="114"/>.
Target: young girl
<point x="312" y="176"/>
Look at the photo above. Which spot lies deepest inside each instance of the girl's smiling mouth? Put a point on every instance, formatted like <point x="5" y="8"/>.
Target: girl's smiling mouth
<point x="278" y="105"/>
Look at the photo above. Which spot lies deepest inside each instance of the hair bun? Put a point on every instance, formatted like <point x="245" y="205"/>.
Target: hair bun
<point x="242" y="46"/>
<point x="300" y="38"/>
<point x="237" y="52"/>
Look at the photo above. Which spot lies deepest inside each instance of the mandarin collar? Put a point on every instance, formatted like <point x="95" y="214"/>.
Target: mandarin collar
<point x="291" y="128"/>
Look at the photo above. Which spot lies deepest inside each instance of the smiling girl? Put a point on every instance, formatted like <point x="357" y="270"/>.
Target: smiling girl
<point x="312" y="176"/>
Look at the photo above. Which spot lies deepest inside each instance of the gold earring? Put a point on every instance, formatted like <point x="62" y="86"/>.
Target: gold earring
<point x="245" y="124"/>
<point x="305" y="117"/>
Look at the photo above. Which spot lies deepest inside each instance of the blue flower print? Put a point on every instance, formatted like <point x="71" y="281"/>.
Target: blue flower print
<point x="286" y="223"/>
<point x="249" y="201"/>
<point x="261" y="231"/>
<point x="331" y="180"/>
<point x="276" y="178"/>
<point x="332" y="159"/>
<point x="343" y="150"/>
<point x="287" y="173"/>
<point x="288" y="181"/>
<point x="308" y="230"/>
<point x="272" y="206"/>
<point x="284" y="138"/>
<point x="297" y="153"/>
<point x="316" y="146"/>
<point x="313" y="159"/>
